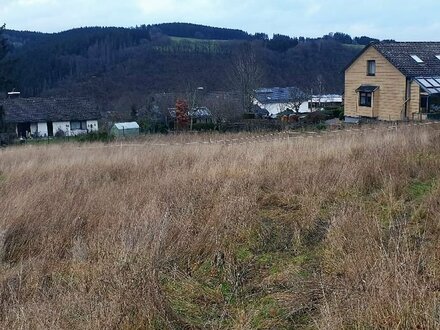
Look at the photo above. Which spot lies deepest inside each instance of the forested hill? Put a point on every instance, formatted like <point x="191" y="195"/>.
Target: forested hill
<point x="186" y="30"/>
<point x="111" y="63"/>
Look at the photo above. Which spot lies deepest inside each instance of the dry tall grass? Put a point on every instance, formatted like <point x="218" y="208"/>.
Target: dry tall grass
<point x="335" y="232"/>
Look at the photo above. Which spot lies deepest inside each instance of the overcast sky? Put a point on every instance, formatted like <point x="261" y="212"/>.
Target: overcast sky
<point x="384" y="19"/>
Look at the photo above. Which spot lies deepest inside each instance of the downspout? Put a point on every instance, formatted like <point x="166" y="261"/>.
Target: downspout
<point x="407" y="97"/>
<point x="427" y="106"/>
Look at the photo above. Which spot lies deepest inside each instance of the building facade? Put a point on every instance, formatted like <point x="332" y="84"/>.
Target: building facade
<point x="394" y="81"/>
<point x="46" y="117"/>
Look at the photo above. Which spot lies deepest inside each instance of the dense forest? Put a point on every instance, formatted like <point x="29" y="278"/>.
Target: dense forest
<point x="113" y="64"/>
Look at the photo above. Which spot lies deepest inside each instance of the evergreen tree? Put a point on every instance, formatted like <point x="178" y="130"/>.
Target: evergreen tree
<point x="3" y="65"/>
<point x="3" y="51"/>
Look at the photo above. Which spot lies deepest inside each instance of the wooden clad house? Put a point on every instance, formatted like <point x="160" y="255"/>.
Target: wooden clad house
<point x="394" y="81"/>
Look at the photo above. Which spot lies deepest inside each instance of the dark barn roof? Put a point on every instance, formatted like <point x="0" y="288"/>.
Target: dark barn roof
<point x="22" y="110"/>
<point x="400" y="55"/>
<point x="273" y="95"/>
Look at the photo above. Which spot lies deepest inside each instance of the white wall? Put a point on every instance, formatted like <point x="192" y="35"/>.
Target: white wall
<point x="92" y="125"/>
<point x="34" y="128"/>
<point x="75" y="132"/>
<point x="276" y="108"/>
<point x="61" y="125"/>
<point x="41" y="128"/>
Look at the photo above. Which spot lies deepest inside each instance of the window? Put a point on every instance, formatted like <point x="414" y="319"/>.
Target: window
<point x="365" y="99"/>
<point x="78" y="125"/>
<point x="438" y="57"/>
<point x="371" y="68"/>
<point x="417" y="59"/>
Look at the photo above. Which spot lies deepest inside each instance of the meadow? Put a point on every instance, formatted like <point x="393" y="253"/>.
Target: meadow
<point x="330" y="232"/>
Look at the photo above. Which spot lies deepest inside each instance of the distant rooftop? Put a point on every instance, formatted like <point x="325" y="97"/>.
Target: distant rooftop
<point x="34" y="110"/>
<point x="413" y="59"/>
<point x="282" y="95"/>
<point x="127" y="125"/>
<point x="273" y="95"/>
<point x="195" y="113"/>
<point x="328" y="98"/>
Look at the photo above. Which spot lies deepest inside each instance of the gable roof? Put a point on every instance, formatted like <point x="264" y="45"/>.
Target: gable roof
<point x="34" y="110"/>
<point x="273" y="95"/>
<point x="195" y="113"/>
<point x="399" y="54"/>
<point x="200" y="113"/>
<point x="128" y="125"/>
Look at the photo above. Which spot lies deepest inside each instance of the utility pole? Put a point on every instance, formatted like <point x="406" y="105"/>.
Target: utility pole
<point x="194" y="104"/>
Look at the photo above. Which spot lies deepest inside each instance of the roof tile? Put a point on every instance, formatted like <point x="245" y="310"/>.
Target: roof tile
<point x="400" y="55"/>
<point x="21" y="110"/>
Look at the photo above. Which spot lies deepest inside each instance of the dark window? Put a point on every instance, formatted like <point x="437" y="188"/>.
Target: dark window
<point x="78" y="125"/>
<point x="371" y="68"/>
<point x="365" y="99"/>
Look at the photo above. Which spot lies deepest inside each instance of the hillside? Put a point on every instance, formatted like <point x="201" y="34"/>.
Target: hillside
<point x="111" y="63"/>
<point x="340" y="231"/>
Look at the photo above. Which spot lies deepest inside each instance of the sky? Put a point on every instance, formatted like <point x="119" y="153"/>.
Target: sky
<point x="384" y="19"/>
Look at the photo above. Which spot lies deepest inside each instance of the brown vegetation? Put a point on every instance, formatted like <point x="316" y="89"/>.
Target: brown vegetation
<point x="327" y="233"/>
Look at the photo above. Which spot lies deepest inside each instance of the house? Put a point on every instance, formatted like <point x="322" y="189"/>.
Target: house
<point x="276" y="100"/>
<point x="43" y="117"/>
<point x="259" y="112"/>
<point x="198" y="115"/>
<point x="318" y="102"/>
<point x="394" y="81"/>
<point x="125" y="129"/>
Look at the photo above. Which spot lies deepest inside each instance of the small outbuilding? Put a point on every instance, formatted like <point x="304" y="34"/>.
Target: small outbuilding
<point x="125" y="129"/>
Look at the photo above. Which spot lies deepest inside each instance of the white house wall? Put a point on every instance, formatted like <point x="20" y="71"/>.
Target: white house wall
<point x="61" y="126"/>
<point x="92" y="125"/>
<point x="39" y="128"/>
<point x="34" y="128"/>
<point x="276" y="108"/>
<point x="42" y="129"/>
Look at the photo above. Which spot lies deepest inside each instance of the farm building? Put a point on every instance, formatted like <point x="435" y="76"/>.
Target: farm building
<point x="318" y="102"/>
<point x="276" y="100"/>
<point x="394" y="81"/>
<point x="198" y="115"/>
<point x="43" y="117"/>
<point x="125" y="129"/>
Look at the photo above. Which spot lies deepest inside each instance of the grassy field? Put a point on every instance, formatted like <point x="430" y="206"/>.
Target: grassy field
<point x="340" y="231"/>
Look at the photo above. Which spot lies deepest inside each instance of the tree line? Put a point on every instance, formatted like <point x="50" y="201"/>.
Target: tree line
<point x="119" y="66"/>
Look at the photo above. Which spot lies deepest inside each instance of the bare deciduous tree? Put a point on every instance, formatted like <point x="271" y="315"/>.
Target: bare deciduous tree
<point x="296" y="98"/>
<point x="225" y="107"/>
<point x="246" y="74"/>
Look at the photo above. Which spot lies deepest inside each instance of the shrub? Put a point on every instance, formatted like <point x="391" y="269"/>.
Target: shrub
<point x="249" y="116"/>
<point x="333" y="112"/>
<point x="321" y="126"/>
<point x="203" y="127"/>
<point x="60" y="133"/>
<point x="342" y="114"/>
<point x="315" y="117"/>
